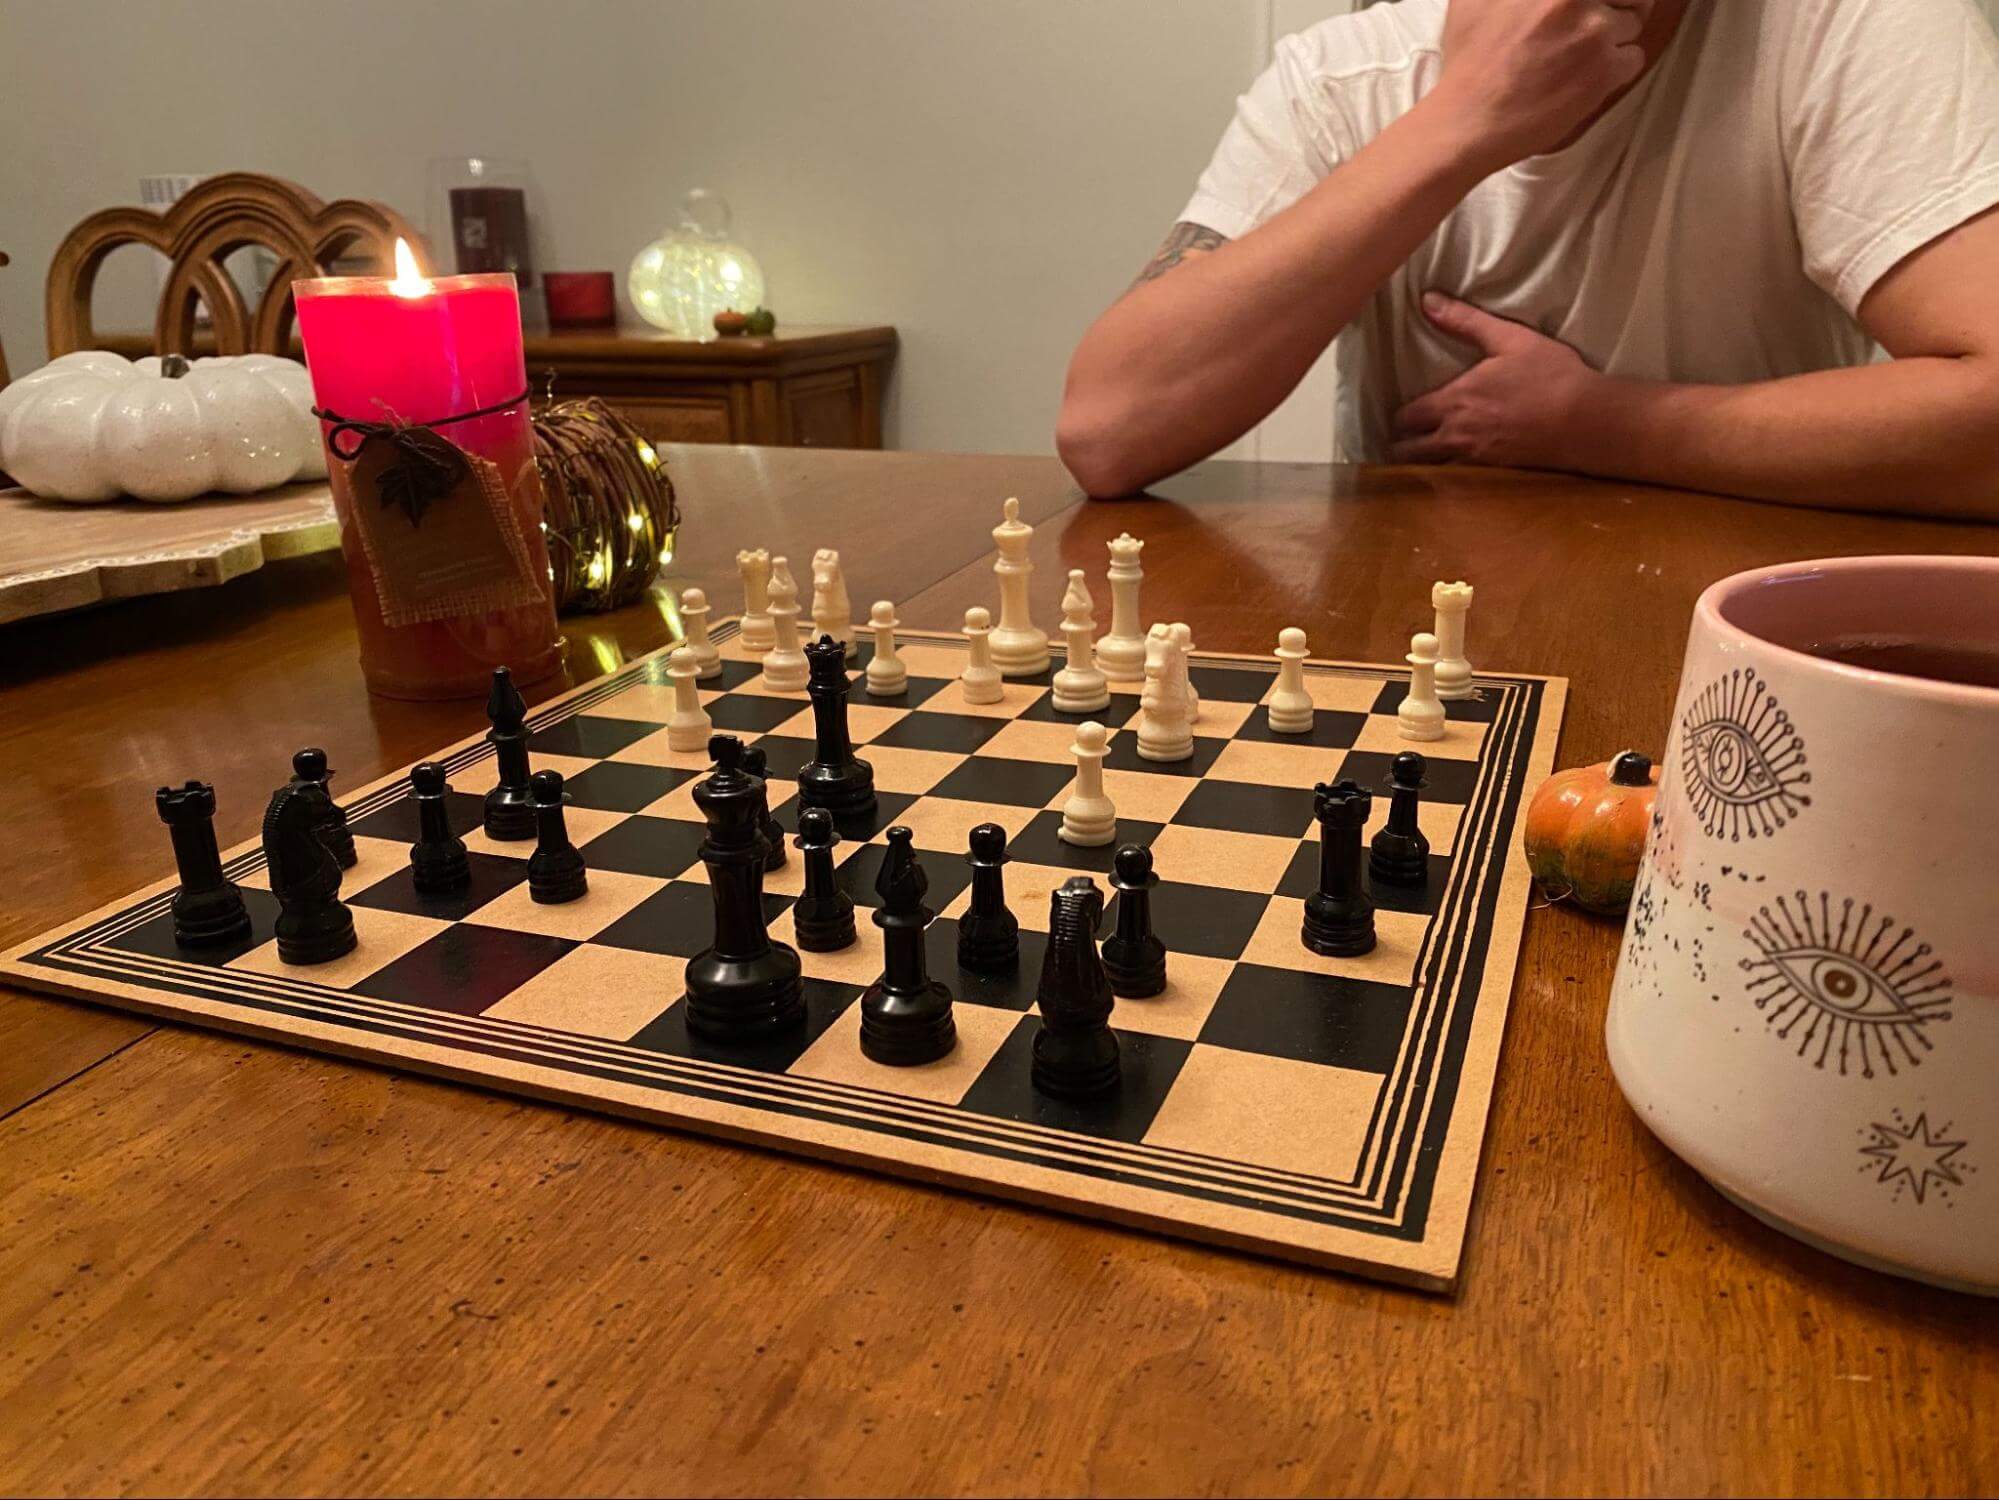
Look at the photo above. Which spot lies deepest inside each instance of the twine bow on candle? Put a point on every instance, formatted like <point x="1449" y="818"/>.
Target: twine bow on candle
<point x="426" y="466"/>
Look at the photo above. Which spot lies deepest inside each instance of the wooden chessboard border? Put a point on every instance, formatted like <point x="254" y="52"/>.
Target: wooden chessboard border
<point x="1450" y="1046"/>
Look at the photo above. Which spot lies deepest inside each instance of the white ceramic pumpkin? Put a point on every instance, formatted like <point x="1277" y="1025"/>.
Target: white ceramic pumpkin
<point x="94" y="426"/>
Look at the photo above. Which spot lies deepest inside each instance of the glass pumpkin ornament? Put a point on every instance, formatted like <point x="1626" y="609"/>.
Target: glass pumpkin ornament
<point x="683" y="278"/>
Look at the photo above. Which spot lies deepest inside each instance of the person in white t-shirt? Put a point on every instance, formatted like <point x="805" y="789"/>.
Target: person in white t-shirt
<point x="1655" y="240"/>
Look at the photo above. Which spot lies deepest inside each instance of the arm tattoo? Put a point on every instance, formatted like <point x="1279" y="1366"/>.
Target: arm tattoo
<point x="1184" y="241"/>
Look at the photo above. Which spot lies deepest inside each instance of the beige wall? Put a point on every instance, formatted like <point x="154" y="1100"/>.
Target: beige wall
<point x="984" y="174"/>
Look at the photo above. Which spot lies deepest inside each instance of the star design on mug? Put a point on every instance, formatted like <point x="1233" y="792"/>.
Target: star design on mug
<point x="1912" y="1157"/>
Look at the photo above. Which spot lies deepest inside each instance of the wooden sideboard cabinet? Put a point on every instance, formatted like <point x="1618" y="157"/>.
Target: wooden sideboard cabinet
<point x="804" y="387"/>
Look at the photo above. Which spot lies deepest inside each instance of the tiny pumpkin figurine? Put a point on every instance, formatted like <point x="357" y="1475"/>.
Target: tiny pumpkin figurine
<point x="729" y="323"/>
<point x="1586" y="830"/>
<point x="761" y="323"/>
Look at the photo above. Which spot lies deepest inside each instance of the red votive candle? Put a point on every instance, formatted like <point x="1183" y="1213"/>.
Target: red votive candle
<point x="580" y="299"/>
<point x="419" y="352"/>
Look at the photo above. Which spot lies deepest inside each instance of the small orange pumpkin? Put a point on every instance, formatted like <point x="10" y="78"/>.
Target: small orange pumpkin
<point x="1586" y="830"/>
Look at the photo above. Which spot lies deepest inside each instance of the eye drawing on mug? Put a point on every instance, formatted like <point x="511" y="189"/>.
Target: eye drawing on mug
<point x="1743" y="761"/>
<point x="1852" y="995"/>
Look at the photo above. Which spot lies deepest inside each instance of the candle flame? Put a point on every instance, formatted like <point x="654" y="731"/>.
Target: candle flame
<point x="410" y="280"/>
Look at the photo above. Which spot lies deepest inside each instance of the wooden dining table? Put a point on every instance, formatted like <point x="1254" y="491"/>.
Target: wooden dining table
<point x="230" y="1267"/>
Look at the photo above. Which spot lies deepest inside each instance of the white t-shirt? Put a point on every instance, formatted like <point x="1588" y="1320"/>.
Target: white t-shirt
<point x="1719" y="224"/>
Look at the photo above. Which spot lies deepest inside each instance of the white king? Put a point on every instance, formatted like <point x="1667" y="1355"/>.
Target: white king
<point x="1019" y="649"/>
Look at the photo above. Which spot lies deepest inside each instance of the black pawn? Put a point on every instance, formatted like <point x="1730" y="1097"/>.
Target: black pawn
<point x="438" y="864"/>
<point x="1075" y="1051"/>
<point x="313" y="926"/>
<point x="758" y="765"/>
<point x="309" y="769"/>
<point x="988" y="934"/>
<point x="1134" y="958"/>
<point x="208" y="908"/>
<point x="834" y="778"/>
<point x="823" y="918"/>
<point x="510" y="804"/>
<point x="1339" y="918"/>
<point x="743" y="985"/>
<point x="905" y="1015"/>
<point x="555" y="870"/>
<point x="1399" y="854"/>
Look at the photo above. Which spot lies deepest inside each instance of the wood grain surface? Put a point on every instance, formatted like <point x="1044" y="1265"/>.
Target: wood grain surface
<point x="233" y="1268"/>
<point x="56" y="556"/>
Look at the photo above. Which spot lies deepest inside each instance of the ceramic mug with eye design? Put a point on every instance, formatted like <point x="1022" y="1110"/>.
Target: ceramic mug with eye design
<point x="1807" y="1002"/>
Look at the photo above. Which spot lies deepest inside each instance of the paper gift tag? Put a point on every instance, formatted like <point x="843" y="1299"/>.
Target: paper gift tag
<point x="438" y="529"/>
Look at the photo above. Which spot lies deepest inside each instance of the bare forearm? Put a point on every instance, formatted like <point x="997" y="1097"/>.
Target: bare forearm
<point x="1186" y="363"/>
<point x="1916" y="434"/>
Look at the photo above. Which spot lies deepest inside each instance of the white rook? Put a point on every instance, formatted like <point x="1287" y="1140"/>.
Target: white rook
<point x="1121" y="653"/>
<point x="1452" y="600"/>
<point x="1019" y="649"/>
<point x="758" y="634"/>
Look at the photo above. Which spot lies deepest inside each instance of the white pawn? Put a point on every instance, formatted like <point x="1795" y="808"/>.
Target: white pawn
<point x="887" y="676"/>
<point x="1088" y="818"/>
<point x="1290" y="709"/>
<point x="1421" y="716"/>
<point x="785" y="668"/>
<point x="690" y="725"/>
<point x="1452" y="601"/>
<point x="694" y="619"/>
<point x="832" y="611"/>
<point x="1079" y="687"/>
<point x="758" y="636"/>
<point x="1121" y="653"/>
<point x="981" y="680"/>
<point x="1020" y="647"/>
<point x="1183" y="637"/>
<point x="1163" y="731"/>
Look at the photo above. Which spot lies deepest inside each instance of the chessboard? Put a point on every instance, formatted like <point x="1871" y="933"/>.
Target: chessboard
<point x="1325" y="1110"/>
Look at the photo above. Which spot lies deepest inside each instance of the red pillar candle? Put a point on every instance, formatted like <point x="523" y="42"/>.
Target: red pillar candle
<point x="419" y="352"/>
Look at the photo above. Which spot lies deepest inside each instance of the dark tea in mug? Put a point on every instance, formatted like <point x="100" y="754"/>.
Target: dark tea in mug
<point x="1974" y="663"/>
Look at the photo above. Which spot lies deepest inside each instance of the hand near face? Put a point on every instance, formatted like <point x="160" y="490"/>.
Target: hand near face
<point x="1522" y="76"/>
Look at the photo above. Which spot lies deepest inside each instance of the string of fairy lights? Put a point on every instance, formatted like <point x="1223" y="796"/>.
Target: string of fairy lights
<point x="609" y="508"/>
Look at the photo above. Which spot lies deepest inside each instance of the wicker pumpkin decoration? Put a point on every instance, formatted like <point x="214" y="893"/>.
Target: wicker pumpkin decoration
<point x="609" y="507"/>
<point x="1586" y="830"/>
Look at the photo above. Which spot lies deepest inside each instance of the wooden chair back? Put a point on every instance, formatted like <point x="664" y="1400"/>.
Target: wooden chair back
<point x="215" y="218"/>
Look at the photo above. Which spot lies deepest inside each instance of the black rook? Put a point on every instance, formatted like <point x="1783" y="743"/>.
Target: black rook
<point x="1339" y="918"/>
<point x="208" y="909"/>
